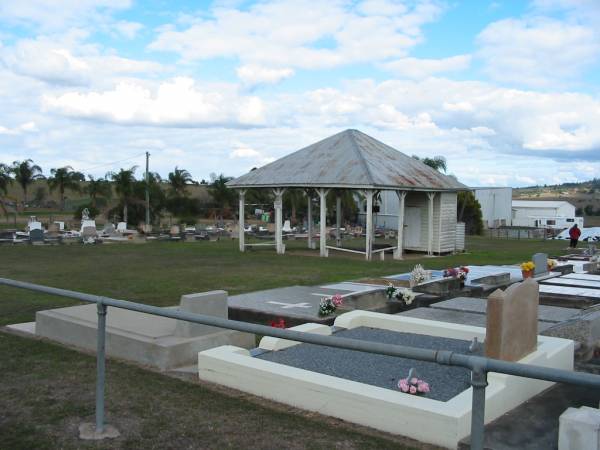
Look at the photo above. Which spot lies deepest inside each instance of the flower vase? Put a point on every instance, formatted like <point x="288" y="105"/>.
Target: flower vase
<point x="527" y="273"/>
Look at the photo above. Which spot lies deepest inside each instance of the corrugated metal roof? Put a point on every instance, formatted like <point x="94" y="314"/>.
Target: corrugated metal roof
<point x="349" y="159"/>
<point x="540" y="203"/>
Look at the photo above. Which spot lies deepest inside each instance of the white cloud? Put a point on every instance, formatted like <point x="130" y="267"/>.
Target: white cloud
<point x="67" y="61"/>
<point x="538" y="51"/>
<point x="421" y="68"/>
<point x="59" y="14"/>
<point x="23" y="128"/>
<point x="289" y="34"/>
<point x="253" y="74"/>
<point x="177" y="103"/>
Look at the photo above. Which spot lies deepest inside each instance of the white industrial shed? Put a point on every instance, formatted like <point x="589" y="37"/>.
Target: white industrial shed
<point x="351" y="160"/>
<point x="544" y="214"/>
<point x="496" y="205"/>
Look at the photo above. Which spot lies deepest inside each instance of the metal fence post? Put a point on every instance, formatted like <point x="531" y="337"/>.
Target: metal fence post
<point x="479" y="383"/>
<point x="100" y="361"/>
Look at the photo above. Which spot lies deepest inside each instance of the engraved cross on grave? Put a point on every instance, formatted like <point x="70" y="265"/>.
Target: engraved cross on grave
<point x="291" y="305"/>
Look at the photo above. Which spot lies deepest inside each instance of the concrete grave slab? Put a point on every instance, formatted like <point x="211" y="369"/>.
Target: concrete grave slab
<point x="582" y="276"/>
<point x="300" y="304"/>
<point x="533" y="425"/>
<point x="459" y="317"/>
<point x="553" y="314"/>
<point x="568" y="296"/>
<point x="377" y="407"/>
<point x="561" y="281"/>
<point x="157" y="341"/>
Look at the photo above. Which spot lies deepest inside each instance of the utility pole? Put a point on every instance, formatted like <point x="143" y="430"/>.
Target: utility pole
<point x="147" y="192"/>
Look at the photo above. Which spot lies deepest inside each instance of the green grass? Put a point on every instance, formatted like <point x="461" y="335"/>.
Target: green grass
<point x="46" y="390"/>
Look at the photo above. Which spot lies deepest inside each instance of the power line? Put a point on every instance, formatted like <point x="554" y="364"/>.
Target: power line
<point x="113" y="162"/>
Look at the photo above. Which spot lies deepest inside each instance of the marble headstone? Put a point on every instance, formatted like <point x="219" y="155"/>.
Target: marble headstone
<point x="541" y="263"/>
<point x="512" y="321"/>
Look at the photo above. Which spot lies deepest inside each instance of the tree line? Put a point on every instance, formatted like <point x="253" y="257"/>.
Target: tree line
<point x="120" y="193"/>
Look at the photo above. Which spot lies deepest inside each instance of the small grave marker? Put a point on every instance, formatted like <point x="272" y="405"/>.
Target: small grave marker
<point x="541" y="263"/>
<point x="512" y="321"/>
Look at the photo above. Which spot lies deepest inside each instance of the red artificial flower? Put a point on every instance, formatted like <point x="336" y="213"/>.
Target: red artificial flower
<point x="278" y="324"/>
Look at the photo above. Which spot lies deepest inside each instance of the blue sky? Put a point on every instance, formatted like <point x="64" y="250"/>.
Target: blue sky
<point x="507" y="91"/>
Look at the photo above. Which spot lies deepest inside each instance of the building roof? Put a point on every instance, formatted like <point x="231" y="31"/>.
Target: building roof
<point x="540" y="203"/>
<point x="352" y="160"/>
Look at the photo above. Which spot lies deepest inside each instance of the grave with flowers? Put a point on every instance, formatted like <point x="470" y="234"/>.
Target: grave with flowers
<point x="296" y="305"/>
<point x="396" y="395"/>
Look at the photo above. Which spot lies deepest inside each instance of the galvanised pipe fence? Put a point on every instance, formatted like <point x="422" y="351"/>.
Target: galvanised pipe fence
<point x="478" y="365"/>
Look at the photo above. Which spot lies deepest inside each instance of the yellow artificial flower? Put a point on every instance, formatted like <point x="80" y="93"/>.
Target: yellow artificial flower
<point x="527" y="266"/>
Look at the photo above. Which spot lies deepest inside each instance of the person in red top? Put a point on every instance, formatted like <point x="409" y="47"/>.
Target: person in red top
<point x="574" y="234"/>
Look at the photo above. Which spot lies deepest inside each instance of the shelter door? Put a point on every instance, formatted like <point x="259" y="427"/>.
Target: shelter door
<point x="412" y="227"/>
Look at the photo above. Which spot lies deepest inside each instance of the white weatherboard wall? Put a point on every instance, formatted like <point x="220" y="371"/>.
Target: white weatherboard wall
<point x="496" y="205"/>
<point x="421" y="418"/>
<point x="444" y="219"/>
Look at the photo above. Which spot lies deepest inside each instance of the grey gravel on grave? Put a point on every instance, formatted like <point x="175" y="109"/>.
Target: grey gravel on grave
<point x="379" y="370"/>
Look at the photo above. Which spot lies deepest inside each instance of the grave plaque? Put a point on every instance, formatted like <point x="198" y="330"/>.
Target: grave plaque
<point x="541" y="263"/>
<point x="512" y="321"/>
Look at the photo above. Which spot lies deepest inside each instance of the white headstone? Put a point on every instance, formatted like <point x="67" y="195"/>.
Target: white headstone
<point x="541" y="263"/>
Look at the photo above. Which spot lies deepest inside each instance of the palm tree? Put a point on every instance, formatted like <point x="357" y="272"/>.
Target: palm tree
<point x="221" y="194"/>
<point x="5" y="180"/>
<point x="179" y="179"/>
<point x="124" y="181"/>
<point x="437" y="162"/>
<point x="65" y="178"/>
<point x="99" y="187"/>
<point x="25" y="174"/>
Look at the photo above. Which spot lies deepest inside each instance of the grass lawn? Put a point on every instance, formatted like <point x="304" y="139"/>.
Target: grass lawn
<point x="46" y="390"/>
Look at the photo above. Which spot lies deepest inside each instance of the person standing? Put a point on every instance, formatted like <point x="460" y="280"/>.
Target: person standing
<point x="574" y="234"/>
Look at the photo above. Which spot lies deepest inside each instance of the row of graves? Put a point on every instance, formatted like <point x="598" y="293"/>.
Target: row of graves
<point x="88" y="233"/>
<point x="549" y="318"/>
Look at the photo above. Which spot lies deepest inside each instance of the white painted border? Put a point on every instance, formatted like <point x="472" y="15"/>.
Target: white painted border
<point x="424" y="419"/>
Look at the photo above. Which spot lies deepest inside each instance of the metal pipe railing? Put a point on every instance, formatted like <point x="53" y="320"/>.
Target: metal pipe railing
<point x="478" y="365"/>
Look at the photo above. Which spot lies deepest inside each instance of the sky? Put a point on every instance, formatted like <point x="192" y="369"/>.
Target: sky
<point x="507" y="91"/>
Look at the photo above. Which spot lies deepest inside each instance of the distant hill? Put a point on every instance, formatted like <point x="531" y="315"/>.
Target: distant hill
<point x="585" y="196"/>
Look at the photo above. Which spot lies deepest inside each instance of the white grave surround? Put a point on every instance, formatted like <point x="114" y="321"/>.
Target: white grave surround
<point x="426" y="420"/>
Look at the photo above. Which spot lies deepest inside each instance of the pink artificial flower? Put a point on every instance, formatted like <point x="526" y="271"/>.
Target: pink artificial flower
<point x="414" y="380"/>
<point x="423" y="387"/>
<point x="403" y="385"/>
<point x="337" y="300"/>
<point x="413" y="390"/>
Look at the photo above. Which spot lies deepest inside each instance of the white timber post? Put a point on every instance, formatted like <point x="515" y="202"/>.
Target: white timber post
<point x="399" y="251"/>
<point x="323" y="225"/>
<point x="279" y="220"/>
<point x="309" y="219"/>
<point x="431" y="196"/>
<point x="369" y="234"/>
<point x="242" y="236"/>
<point x="338" y="220"/>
